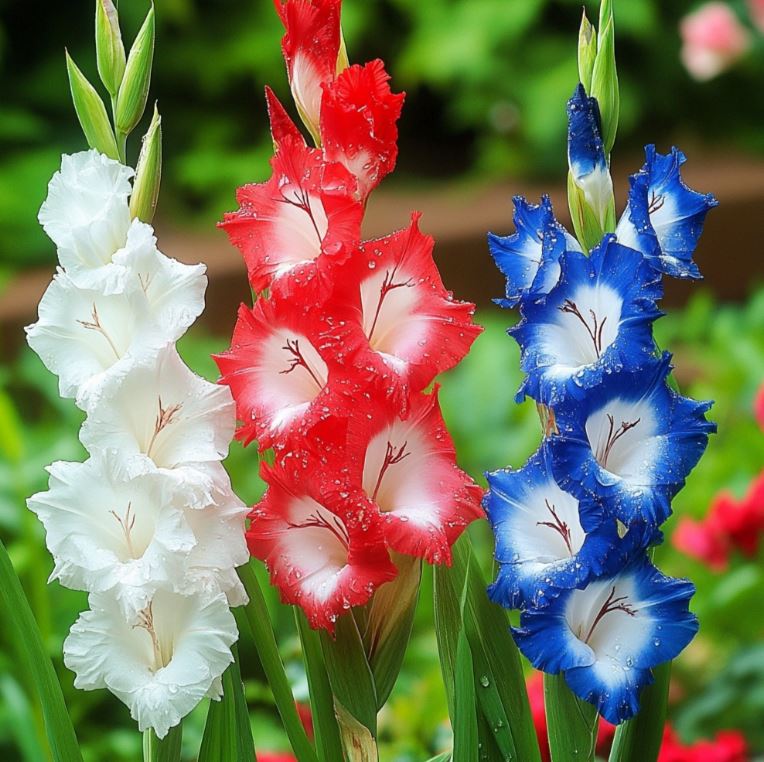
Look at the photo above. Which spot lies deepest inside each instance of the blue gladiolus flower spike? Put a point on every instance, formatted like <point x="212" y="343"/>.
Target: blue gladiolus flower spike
<point x="664" y="218"/>
<point x="546" y="539"/>
<point x="631" y="442"/>
<point x="586" y="153"/>
<point x="529" y="258"/>
<point x="606" y="637"/>
<point x="597" y="320"/>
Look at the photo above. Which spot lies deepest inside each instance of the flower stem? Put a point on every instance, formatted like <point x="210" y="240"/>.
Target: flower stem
<point x="166" y="749"/>
<point x="256" y="613"/>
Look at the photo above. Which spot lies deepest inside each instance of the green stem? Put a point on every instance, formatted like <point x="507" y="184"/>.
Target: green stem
<point x="166" y="749"/>
<point x="121" y="137"/>
<point x="256" y="613"/>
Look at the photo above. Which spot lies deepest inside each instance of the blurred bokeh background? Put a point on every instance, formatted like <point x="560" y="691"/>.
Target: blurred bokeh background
<point x="486" y="83"/>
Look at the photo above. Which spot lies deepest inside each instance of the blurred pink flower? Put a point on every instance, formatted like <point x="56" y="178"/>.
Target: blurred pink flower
<point x="713" y="40"/>
<point x="756" y="10"/>
<point x="758" y="406"/>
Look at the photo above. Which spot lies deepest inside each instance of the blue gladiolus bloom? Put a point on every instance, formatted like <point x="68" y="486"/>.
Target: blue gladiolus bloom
<point x="529" y="258"/>
<point x="546" y="539"/>
<point x="586" y="152"/>
<point x="664" y="218"/>
<point x="607" y="636"/>
<point x="595" y="321"/>
<point x="631" y="442"/>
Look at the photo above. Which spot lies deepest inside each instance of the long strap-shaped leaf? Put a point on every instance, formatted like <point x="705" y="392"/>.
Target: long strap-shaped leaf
<point x="328" y="741"/>
<point x="20" y="624"/>
<point x="571" y="722"/>
<point x="507" y="726"/>
<point x="227" y="732"/>
<point x="639" y="739"/>
<point x="165" y="750"/>
<point x="256" y="613"/>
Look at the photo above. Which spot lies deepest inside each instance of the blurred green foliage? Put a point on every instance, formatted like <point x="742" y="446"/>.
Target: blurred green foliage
<point x="487" y="82"/>
<point x="719" y="353"/>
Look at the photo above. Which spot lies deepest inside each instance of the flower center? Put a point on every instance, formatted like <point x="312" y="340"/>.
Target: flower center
<point x="164" y="418"/>
<point x="611" y="604"/>
<point x="127" y="524"/>
<point x="392" y="457"/>
<point x="297" y="360"/>
<point x="94" y="324"/>
<point x="605" y="447"/>
<point x="160" y="658"/>
<point x="594" y="331"/>
<point x="557" y="525"/>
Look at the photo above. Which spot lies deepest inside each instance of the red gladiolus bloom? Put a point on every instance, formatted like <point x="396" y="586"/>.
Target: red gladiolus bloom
<point x="324" y="548"/>
<point x="401" y="326"/>
<point x="359" y="116"/>
<point x="728" y="746"/>
<point x="311" y="48"/>
<point x="294" y="228"/>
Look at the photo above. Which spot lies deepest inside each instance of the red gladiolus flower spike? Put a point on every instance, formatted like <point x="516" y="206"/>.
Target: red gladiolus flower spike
<point x="359" y="116"/>
<point x="311" y="48"/>
<point x="324" y="548"/>
<point x="294" y="228"/>
<point x="400" y="327"/>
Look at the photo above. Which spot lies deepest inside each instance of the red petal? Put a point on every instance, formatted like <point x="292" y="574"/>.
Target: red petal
<point x="359" y="117"/>
<point x="282" y="126"/>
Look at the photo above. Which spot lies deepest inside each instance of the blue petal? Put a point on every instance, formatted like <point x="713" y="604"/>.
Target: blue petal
<point x="586" y="152"/>
<point x="579" y="332"/>
<point x="546" y="540"/>
<point x="664" y="218"/>
<point x="649" y="464"/>
<point x="648" y="623"/>
<point x="529" y="257"/>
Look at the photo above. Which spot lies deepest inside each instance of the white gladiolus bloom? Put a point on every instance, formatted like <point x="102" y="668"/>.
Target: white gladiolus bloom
<point x="162" y="663"/>
<point x="161" y="409"/>
<point x="86" y="214"/>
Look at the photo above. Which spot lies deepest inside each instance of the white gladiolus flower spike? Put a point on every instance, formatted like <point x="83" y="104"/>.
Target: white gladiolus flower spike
<point x="86" y="215"/>
<point x="162" y="662"/>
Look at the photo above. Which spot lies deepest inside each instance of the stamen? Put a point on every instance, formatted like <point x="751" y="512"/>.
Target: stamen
<point x="94" y="324"/>
<point x="391" y="458"/>
<point x="387" y="286"/>
<point x="146" y="622"/>
<point x="603" y="453"/>
<point x="656" y="203"/>
<point x="164" y="418"/>
<point x="298" y="361"/>
<point x="318" y="521"/>
<point x="301" y="200"/>
<point x="127" y="524"/>
<point x="611" y="604"/>
<point x="595" y="333"/>
<point x="558" y="525"/>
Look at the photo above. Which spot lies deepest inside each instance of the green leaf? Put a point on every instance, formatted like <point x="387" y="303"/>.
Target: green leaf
<point x="328" y="742"/>
<point x="640" y="739"/>
<point x="91" y="112"/>
<point x="134" y="90"/>
<point x="445" y="757"/>
<point x="587" y="52"/>
<point x="500" y="684"/>
<point x="148" y="173"/>
<point x="256" y="613"/>
<point x="466" y="743"/>
<point x="110" y="52"/>
<point x="24" y="635"/>
<point x="166" y="749"/>
<point x="605" y="77"/>
<point x="349" y="672"/>
<point x="227" y="732"/>
<point x="571" y="722"/>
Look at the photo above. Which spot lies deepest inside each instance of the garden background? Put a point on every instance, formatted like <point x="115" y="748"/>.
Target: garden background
<point x="487" y="82"/>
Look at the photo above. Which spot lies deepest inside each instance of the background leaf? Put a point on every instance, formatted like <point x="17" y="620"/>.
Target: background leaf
<point x="571" y="722"/>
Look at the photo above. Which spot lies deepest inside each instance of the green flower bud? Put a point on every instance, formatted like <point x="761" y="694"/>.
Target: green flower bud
<point x="148" y="174"/>
<point x="605" y="77"/>
<point x="134" y="90"/>
<point x="91" y="112"/>
<point x="587" y="224"/>
<point x="587" y="52"/>
<point x="110" y="52"/>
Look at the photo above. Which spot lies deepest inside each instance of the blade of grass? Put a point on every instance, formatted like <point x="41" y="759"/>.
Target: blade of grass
<point x="24" y="634"/>
<point x="256" y="613"/>
<point x="328" y="741"/>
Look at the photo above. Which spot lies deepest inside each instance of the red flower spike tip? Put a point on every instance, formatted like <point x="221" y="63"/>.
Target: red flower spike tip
<point x="402" y="327"/>
<point x="278" y="378"/>
<point x="359" y="116"/>
<point x="283" y="129"/>
<point x="311" y="48"/>
<point x="324" y="549"/>
<point x="294" y="228"/>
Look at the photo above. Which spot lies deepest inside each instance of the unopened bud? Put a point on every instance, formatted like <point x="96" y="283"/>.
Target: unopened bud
<point x="148" y="173"/>
<point x="134" y="90"/>
<point x="110" y="52"/>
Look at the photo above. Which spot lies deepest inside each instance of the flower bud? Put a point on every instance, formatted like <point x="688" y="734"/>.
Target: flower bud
<point x="91" y="112"/>
<point x="605" y="77"/>
<point x="134" y="90"/>
<point x="587" y="52"/>
<point x="148" y="176"/>
<point x="110" y="52"/>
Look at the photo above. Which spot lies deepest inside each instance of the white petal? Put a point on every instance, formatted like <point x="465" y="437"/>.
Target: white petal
<point x="160" y="678"/>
